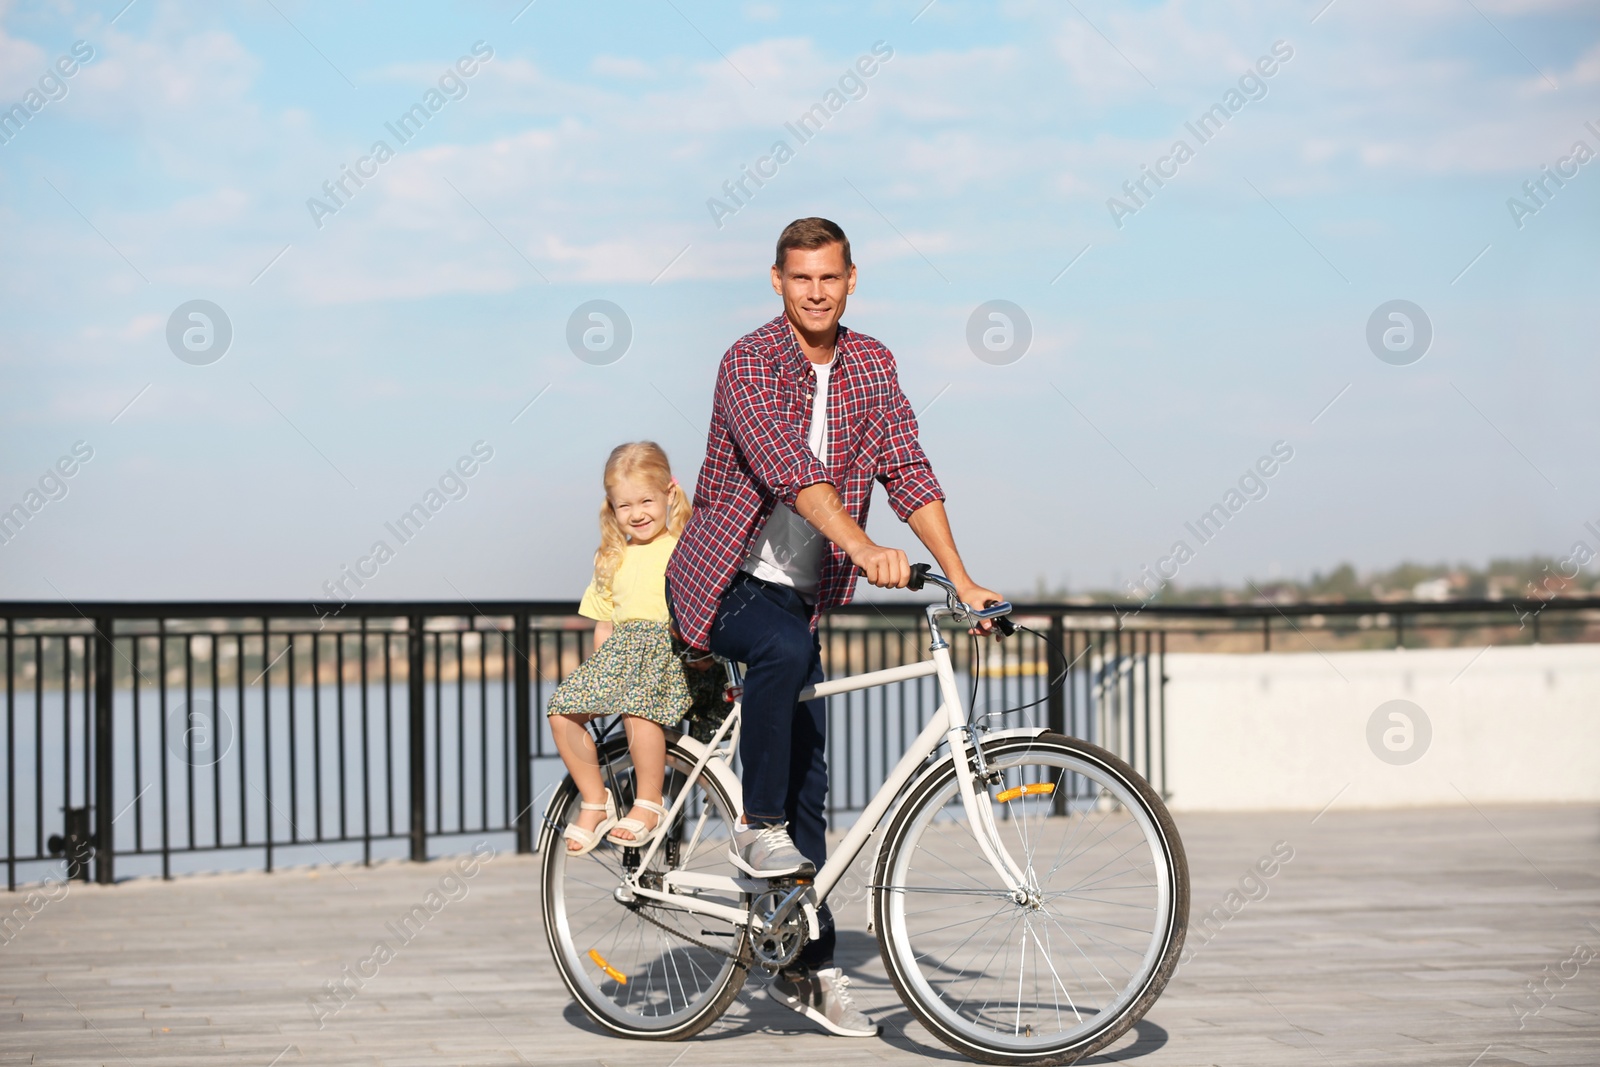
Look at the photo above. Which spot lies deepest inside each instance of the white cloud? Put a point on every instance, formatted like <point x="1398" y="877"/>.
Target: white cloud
<point x="1586" y="71"/>
<point x="621" y="67"/>
<point x="607" y="181"/>
<point x="21" y="64"/>
<point x="135" y="329"/>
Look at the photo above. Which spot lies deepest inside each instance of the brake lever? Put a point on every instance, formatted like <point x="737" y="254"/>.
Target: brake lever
<point x="1000" y="620"/>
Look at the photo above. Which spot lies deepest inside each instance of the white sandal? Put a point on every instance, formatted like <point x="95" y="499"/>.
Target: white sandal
<point x="641" y="836"/>
<point x="588" y="839"/>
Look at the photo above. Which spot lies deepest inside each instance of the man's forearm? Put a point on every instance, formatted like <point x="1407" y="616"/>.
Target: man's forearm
<point x="819" y="504"/>
<point x="932" y="527"/>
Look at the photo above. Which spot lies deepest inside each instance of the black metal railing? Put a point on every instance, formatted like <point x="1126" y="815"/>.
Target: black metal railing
<point x="160" y="738"/>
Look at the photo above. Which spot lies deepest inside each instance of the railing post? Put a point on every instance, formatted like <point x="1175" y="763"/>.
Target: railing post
<point x="1161" y="717"/>
<point x="104" y="748"/>
<point x="417" y="721"/>
<point x="1056" y="702"/>
<point x="523" y="701"/>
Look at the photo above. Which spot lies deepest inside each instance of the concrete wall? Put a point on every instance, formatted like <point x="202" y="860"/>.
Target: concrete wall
<point x="1291" y="730"/>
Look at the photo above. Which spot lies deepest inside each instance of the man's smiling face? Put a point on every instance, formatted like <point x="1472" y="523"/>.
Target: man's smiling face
<point x="814" y="284"/>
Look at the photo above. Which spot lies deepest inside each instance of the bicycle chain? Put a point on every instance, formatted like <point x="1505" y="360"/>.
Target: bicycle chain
<point x="744" y="958"/>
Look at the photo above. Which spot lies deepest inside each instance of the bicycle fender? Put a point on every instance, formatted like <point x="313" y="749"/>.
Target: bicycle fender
<point x="689" y="744"/>
<point x="717" y="768"/>
<point x="938" y="765"/>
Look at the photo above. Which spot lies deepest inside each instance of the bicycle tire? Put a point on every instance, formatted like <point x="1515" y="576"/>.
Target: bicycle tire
<point x="598" y="993"/>
<point x="931" y="999"/>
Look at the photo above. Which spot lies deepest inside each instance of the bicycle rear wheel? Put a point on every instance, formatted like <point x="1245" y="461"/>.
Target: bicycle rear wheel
<point x="644" y="969"/>
<point x="1068" y="971"/>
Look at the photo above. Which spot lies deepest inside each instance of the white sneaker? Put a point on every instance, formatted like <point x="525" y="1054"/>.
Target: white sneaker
<point x="767" y="852"/>
<point x="824" y="998"/>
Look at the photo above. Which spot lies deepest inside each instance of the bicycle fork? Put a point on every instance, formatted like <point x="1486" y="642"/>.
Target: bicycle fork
<point x="975" y="792"/>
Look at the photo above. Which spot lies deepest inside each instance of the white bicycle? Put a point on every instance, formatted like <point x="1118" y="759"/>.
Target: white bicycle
<point x="1030" y="893"/>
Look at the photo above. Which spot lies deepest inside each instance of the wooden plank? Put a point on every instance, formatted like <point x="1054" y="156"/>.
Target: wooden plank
<point x="1391" y="936"/>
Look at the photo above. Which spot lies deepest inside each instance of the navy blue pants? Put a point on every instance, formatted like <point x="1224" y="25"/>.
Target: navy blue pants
<point x="783" y="743"/>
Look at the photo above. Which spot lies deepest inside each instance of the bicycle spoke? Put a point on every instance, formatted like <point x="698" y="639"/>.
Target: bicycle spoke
<point x="1076" y="895"/>
<point x="1131" y="848"/>
<point x="938" y="889"/>
<point x="1005" y="940"/>
<point x="1068" y="935"/>
<point x="1045" y="950"/>
<point x="963" y="922"/>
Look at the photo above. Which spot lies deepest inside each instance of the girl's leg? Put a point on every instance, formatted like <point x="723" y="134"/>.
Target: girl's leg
<point x="647" y="744"/>
<point x="583" y="763"/>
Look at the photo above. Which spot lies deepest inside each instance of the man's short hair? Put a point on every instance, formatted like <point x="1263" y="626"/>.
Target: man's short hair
<point x="811" y="233"/>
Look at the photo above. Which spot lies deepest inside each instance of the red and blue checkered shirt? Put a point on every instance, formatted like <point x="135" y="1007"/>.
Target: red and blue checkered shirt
<point x="757" y="458"/>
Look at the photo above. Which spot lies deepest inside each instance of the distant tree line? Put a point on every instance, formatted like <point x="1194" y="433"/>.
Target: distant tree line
<point x="1534" y="576"/>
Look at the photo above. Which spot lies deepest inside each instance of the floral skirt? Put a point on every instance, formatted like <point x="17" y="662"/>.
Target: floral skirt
<point x="634" y="672"/>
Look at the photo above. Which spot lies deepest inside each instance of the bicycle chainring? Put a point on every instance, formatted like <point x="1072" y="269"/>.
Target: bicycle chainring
<point x="776" y="947"/>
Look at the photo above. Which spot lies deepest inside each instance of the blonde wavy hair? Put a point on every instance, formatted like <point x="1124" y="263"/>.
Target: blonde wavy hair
<point x="644" y="461"/>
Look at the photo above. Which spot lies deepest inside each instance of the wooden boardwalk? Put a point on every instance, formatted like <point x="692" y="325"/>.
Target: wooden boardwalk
<point x="1389" y="938"/>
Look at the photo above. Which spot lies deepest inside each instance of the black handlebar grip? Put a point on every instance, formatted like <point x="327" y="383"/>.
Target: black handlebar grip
<point x="1005" y="626"/>
<point x="919" y="575"/>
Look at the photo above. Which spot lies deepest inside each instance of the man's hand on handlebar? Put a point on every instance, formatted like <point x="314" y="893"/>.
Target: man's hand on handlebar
<point x="886" y="568"/>
<point x="970" y="594"/>
<point x="978" y="597"/>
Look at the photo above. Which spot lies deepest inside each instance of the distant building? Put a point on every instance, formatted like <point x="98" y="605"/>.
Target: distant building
<point x="1432" y="589"/>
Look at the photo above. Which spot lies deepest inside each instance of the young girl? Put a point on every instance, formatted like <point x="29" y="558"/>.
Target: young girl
<point x="634" y="669"/>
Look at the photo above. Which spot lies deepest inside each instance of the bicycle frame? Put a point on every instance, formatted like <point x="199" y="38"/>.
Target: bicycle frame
<point x="948" y="725"/>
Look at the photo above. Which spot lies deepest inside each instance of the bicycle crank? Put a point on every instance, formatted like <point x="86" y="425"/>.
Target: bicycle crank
<point x="778" y="926"/>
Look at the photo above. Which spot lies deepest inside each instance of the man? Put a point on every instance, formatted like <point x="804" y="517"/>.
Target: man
<point x="806" y="415"/>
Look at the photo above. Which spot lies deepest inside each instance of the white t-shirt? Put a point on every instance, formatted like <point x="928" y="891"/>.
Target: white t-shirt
<point x="788" y="551"/>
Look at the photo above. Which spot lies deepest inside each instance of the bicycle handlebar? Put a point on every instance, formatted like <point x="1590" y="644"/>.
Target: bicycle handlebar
<point x="922" y="573"/>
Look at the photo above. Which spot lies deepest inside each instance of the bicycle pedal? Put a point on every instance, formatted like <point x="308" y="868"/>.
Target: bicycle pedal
<point x="788" y="882"/>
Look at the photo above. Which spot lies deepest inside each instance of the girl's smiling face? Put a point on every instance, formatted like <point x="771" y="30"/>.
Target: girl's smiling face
<point x="640" y="508"/>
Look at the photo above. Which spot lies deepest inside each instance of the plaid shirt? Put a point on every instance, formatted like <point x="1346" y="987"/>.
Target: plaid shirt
<point x="756" y="458"/>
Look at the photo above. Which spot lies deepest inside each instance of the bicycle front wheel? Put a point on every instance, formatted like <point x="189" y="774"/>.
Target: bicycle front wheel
<point x="1067" y="971"/>
<point x="641" y="968"/>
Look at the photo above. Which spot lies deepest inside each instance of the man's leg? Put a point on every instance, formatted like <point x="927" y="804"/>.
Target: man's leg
<point x="787" y="766"/>
<point x="758" y="625"/>
<point x="812" y="985"/>
<point x="806" y="804"/>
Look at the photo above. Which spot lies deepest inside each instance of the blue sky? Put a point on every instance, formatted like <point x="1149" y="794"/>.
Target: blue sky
<point x="975" y="163"/>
